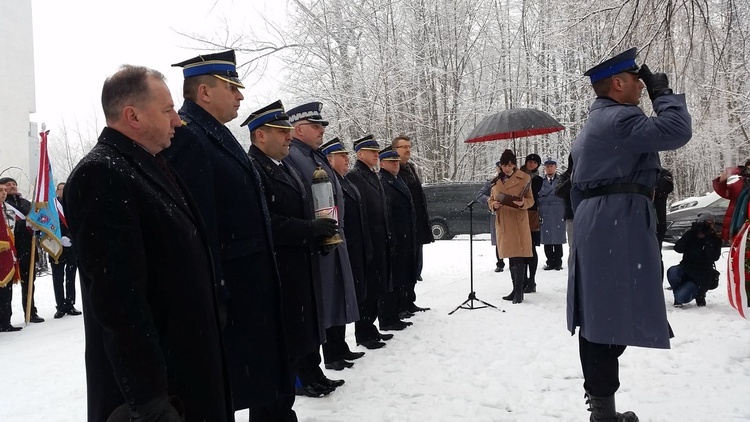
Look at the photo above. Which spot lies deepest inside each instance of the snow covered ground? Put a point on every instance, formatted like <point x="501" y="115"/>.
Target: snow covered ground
<point x="518" y="363"/>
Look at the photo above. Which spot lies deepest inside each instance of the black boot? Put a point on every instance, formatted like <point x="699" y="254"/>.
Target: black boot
<point x="518" y="276"/>
<point x="603" y="410"/>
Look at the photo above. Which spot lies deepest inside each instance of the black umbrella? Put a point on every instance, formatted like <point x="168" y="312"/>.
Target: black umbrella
<point x="514" y="123"/>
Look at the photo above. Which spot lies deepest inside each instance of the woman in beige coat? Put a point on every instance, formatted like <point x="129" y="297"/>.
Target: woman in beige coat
<point x="512" y="219"/>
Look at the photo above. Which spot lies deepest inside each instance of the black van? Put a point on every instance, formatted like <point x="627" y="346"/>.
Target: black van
<point x="446" y="207"/>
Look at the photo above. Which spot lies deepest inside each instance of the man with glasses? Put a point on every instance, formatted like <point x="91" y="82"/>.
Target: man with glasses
<point x="339" y="296"/>
<point x="408" y="173"/>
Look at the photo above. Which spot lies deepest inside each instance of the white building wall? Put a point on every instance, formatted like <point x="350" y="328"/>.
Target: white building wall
<point x="18" y="136"/>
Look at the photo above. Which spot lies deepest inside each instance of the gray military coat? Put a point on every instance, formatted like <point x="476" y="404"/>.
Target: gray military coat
<point x="551" y="212"/>
<point x="339" y="296"/>
<point x="615" y="291"/>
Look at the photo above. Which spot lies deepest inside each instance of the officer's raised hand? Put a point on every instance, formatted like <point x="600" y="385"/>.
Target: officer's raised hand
<point x="657" y="84"/>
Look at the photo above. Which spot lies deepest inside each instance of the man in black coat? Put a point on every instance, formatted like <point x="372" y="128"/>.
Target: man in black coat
<point x="23" y="236"/>
<point x="227" y="188"/>
<point x="408" y="173"/>
<point x="64" y="270"/>
<point x="402" y="221"/>
<point x="153" y="343"/>
<point x="296" y="237"/>
<point x="694" y="276"/>
<point x="377" y="273"/>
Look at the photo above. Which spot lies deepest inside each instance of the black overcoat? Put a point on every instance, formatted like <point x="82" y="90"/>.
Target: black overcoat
<point x="358" y="240"/>
<point x="296" y="254"/>
<point x="227" y="188"/>
<point x="402" y="220"/>
<point x="378" y="276"/>
<point x="146" y="275"/>
<point x="408" y="173"/>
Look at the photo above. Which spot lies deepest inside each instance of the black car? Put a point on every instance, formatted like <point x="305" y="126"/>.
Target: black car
<point x="446" y="206"/>
<point x="685" y="213"/>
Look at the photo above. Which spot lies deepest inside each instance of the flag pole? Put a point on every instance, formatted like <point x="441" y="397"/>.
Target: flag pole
<point x="32" y="274"/>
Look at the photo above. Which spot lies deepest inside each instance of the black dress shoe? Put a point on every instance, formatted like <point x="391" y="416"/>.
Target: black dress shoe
<point x="419" y="278"/>
<point x="73" y="311"/>
<point x="558" y="267"/>
<point x="36" y="318"/>
<point x="405" y="315"/>
<point x="407" y="323"/>
<point x="9" y="328"/>
<point x="313" y="390"/>
<point x="339" y="365"/>
<point x="385" y="337"/>
<point x="414" y="309"/>
<point x="59" y="314"/>
<point x="372" y="344"/>
<point x="327" y="382"/>
<point x="509" y="297"/>
<point x="353" y="355"/>
<point x="499" y="269"/>
<point x="548" y="267"/>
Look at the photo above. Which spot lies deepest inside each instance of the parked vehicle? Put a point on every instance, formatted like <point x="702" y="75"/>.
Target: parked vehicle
<point x="448" y="215"/>
<point x="682" y="214"/>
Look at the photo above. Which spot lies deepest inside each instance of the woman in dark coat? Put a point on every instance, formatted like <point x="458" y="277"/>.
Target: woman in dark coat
<point x="512" y="220"/>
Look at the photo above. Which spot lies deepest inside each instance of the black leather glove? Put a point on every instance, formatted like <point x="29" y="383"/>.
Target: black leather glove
<point x="324" y="227"/>
<point x="657" y="84"/>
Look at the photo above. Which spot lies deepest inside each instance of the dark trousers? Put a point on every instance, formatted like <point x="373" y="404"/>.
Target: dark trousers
<point x="335" y="345"/>
<point x="420" y="261"/>
<point x="364" y="329"/>
<point x="23" y="264"/>
<point x="532" y="263"/>
<point x="6" y="295"/>
<point x="601" y="369"/>
<point x="307" y="368"/>
<point x="64" y="283"/>
<point x="278" y="411"/>
<point x="388" y="307"/>
<point x="554" y="254"/>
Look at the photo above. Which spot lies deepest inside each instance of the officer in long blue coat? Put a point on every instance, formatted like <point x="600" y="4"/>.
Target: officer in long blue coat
<point x="552" y="216"/>
<point x="339" y="296"/>
<point x="229" y="194"/>
<point x="615" y="292"/>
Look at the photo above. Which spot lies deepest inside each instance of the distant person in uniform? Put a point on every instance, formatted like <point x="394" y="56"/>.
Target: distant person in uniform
<point x="614" y="281"/>
<point x="64" y="270"/>
<point x="552" y="216"/>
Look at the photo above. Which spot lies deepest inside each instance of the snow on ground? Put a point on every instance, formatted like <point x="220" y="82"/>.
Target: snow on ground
<point x="518" y="363"/>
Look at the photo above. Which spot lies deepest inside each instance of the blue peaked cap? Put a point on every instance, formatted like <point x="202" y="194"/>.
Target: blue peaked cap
<point x="221" y="65"/>
<point x="333" y="146"/>
<point x="389" y="154"/>
<point x="271" y="115"/>
<point x="623" y="62"/>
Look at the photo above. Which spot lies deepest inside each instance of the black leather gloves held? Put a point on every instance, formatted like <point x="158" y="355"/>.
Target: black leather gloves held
<point x="324" y="227"/>
<point x="657" y="84"/>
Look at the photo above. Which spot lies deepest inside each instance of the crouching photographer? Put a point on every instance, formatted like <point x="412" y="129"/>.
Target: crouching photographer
<point x="696" y="274"/>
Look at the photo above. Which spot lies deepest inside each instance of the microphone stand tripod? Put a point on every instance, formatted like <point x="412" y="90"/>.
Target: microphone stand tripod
<point x="469" y="302"/>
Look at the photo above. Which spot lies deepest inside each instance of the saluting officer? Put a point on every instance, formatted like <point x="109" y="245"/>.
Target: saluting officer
<point x="615" y="292"/>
